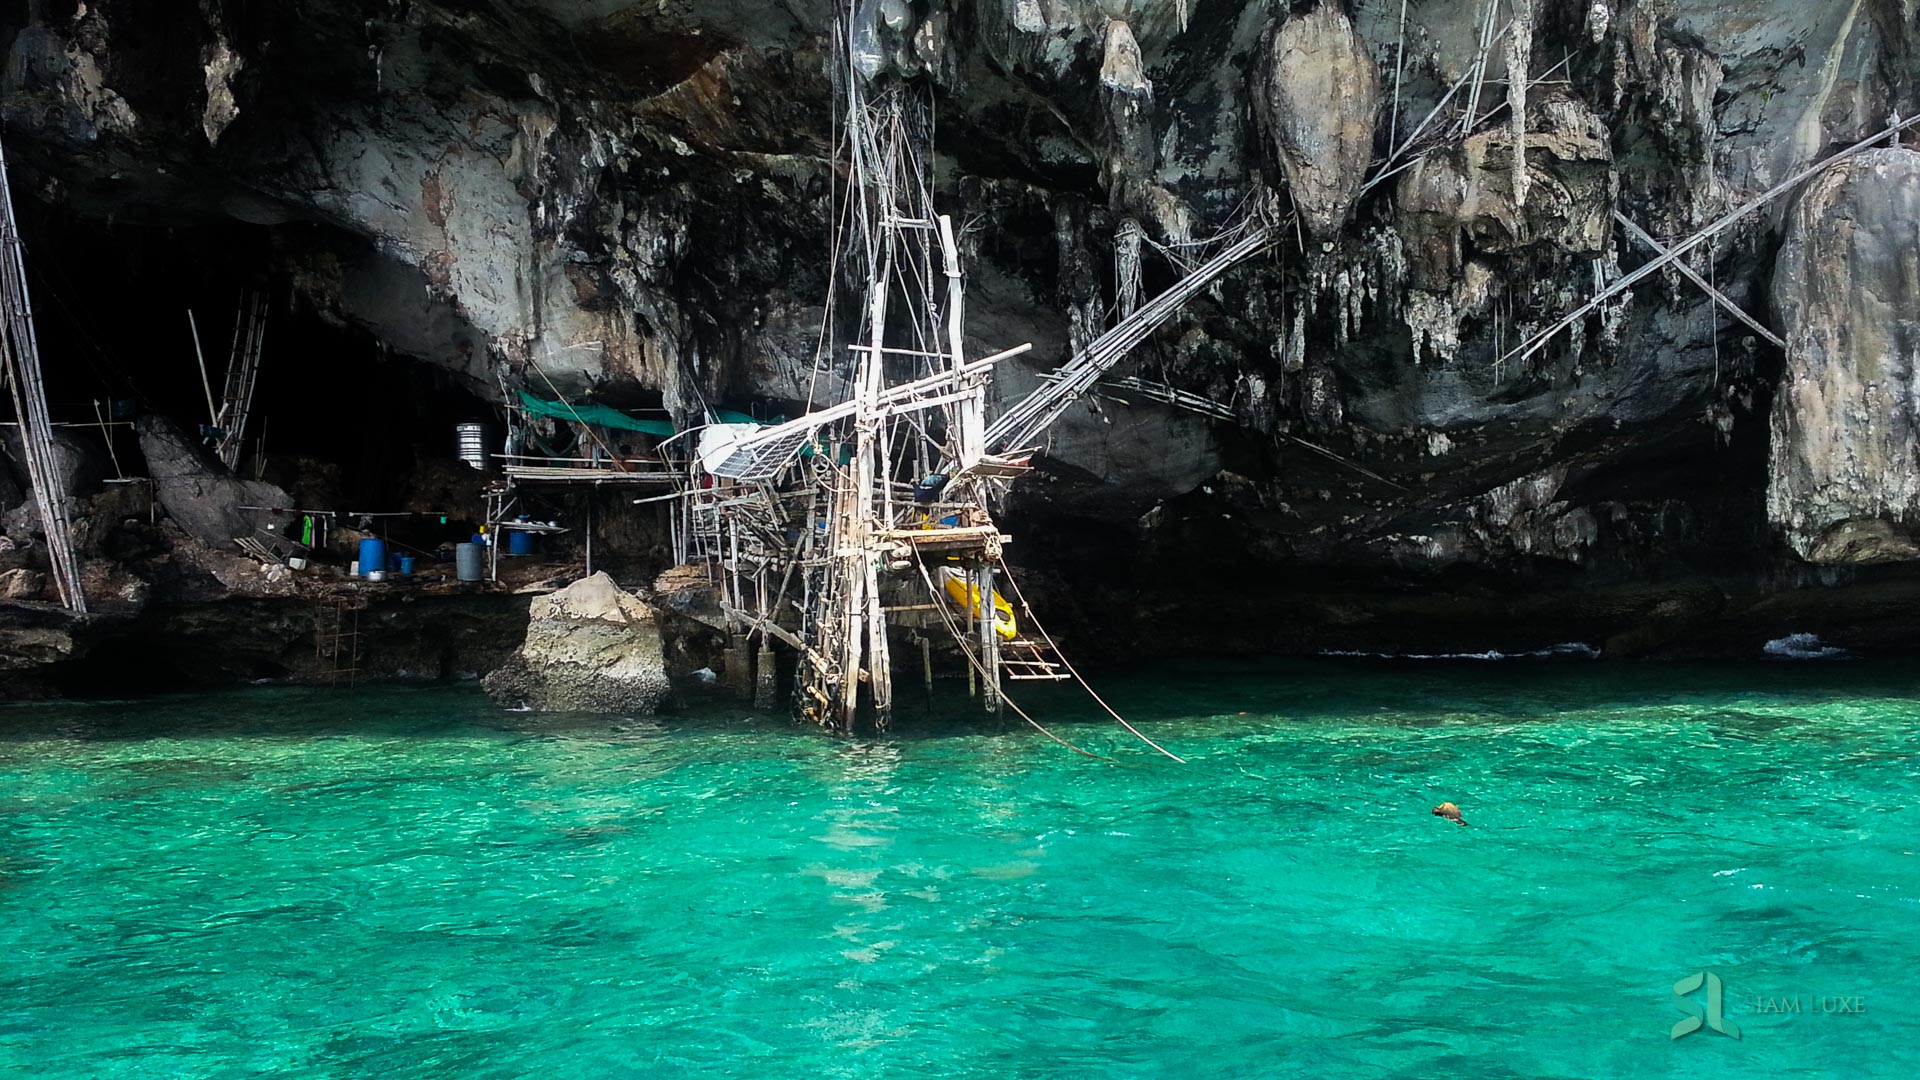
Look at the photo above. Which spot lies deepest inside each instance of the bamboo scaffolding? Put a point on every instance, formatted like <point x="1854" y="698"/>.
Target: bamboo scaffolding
<point x="1021" y="424"/>
<point x="20" y="350"/>
<point x="805" y="526"/>
<point x="243" y="373"/>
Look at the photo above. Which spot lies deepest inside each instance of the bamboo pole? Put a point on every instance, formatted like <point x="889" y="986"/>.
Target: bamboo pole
<point x="989" y="639"/>
<point x="20" y="355"/>
<point x="213" y="413"/>
<point x="1399" y="72"/>
<point x="1693" y="275"/>
<point x="972" y="411"/>
<point x="1536" y="342"/>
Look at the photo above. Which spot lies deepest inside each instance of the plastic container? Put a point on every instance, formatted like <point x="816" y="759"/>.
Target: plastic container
<point x="470" y="562"/>
<point x="406" y="565"/>
<point x="519" y="542"/>
<point x="373" y="555"/>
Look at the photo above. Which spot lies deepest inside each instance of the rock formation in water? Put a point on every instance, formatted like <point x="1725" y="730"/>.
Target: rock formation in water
<point x="591" y="647"/>
<point x="635" y="202"/>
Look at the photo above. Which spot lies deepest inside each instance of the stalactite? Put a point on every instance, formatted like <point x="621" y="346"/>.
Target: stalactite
<point x="1390" y="254"/>
<point x="1079" y="280"/>
<point x="1126" y="93"/>
<point x="1599" y="19"/>
<point x="1293" y="355"/>
<point x="1519" y="56"/>
<point x="1342" y="285"/>
<point x="1435" y="324"/>
<point x="1254" y="401"/>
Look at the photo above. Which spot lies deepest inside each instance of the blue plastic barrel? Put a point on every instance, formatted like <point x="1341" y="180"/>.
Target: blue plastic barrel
<point x="469" y="562"/>
<point x="406" y="564"/>
<point x="373" y="555"/>
<point x="519" y="542"/>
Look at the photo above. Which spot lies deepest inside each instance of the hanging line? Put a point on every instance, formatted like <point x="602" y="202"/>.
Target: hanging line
<point x="1068" y="664"/>
<point x="940" y="606"/>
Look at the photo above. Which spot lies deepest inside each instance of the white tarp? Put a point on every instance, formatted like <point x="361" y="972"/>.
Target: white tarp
<point x="717" y="442"/>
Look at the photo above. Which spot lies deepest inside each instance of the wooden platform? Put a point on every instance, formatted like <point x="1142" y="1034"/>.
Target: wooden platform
<point x="956" y="539"/>
<point x="544" y="474"/>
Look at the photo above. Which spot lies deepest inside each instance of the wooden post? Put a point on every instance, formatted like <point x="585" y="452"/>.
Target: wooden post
<point x="926" y="664"/>
<point x="989" y="642"/>
<point x="860" y="600"/>
<point x="766" y="672"/>
<point x="738" y="661"/>
<point x="972" y="415"/>
<point x="880" y="661"/>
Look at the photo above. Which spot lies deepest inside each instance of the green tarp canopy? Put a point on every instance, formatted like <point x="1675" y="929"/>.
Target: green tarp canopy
<point x="609" y="417"/>
<point x="597" y="415"/>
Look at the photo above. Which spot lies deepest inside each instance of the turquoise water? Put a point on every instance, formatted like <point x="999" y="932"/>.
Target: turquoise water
<point x="410" y="883"/>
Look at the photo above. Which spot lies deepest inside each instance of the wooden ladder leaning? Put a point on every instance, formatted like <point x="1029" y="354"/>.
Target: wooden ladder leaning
<point x="243" y="371"/>
<point x="1027" y="660"/>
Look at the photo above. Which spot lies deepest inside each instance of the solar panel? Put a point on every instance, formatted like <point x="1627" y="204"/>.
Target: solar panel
<point x="763" y="460"/>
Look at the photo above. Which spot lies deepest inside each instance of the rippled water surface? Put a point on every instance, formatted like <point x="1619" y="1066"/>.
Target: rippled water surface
<point x="410" y="883"/>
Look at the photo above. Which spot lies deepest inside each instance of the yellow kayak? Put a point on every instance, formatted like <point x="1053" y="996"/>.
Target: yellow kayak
<point x="966" y="596"/>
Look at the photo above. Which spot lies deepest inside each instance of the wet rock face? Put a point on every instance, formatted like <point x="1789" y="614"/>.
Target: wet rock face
<point x="76" y="461"/>
<point x="1466" y="198"/>
<point x="1317" y="93"/>
<point x="591" y="647"/>
<point x="1845" y="479"/>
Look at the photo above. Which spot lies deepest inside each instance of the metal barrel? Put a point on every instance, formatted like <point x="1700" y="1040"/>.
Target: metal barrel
<point x="470" y="442"/>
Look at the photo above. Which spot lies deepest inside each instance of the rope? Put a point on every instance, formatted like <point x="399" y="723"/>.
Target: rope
<point x="1068" y="664"/>
<point x="940" y="606"/>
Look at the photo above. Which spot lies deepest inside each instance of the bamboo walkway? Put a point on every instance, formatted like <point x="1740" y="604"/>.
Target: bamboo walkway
<point x="1022" y="424"/>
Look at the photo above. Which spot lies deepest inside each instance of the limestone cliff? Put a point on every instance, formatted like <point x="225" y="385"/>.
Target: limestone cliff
<point x="616" y="198"/>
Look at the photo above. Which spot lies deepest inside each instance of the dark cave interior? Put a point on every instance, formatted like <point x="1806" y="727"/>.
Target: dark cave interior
<point x="112" y="304"/>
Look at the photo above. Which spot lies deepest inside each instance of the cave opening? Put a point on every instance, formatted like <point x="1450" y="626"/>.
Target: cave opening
<point x="338" y="420"/>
